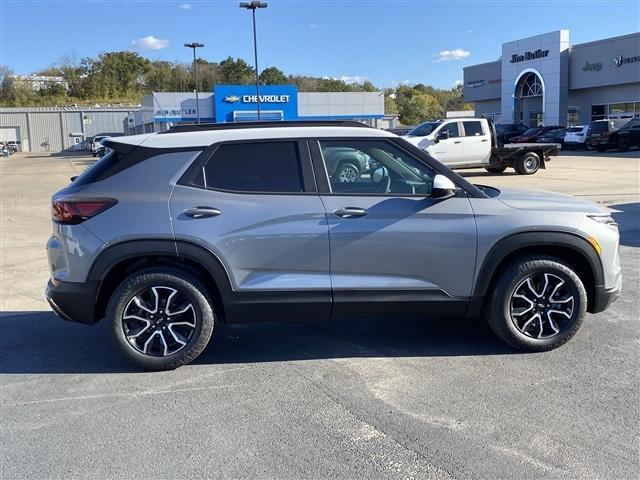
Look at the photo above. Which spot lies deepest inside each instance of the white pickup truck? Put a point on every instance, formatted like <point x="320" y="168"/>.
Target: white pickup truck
<point x="472" y="143"/>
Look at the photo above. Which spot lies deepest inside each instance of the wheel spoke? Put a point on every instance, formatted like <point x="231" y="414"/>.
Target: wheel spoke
<point x="553" y="324"/>
<point x="518" y="312"/>
<point x="532" y="288"/>
<point x="178" y="312"/>
<point x="177" y="337"/>
<point x="137" y="301"/>
<point x="526" y="325"/>
<point x="566" y="314"/>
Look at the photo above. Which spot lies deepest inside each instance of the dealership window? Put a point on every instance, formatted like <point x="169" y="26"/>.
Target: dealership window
<point x="266" y="167"/>
<point x="599" y="112"/>
<point x="621" y="110"/>
<point x="573" y="116"/>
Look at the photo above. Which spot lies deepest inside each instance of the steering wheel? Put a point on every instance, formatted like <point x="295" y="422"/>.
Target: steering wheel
<point x="384" y="180"/>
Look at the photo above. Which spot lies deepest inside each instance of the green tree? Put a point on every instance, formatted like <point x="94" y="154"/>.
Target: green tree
<point x="8" y="90"/>
<point x="235" y="72"/>
<point x="420" y="107"/>
<point x="273" y="76"/>
<point x="118" y="74"/>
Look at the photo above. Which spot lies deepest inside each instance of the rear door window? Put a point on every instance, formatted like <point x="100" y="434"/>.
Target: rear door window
<point x="265" y="167"/>
<point x="473" y="129"/>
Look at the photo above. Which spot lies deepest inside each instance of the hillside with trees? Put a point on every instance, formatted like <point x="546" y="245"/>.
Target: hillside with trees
<point x="124" y="77"/>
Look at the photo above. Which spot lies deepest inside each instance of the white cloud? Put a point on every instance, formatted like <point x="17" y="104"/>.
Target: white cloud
<point x="315" y="26"/>
<point x="150" y="43"/>
<point x="457" y="83"/>
<point x="185" y="6"/>
<point x="350" y="79"/>
<point x="448" y="55"/>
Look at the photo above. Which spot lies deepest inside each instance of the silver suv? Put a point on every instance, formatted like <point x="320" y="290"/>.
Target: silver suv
<point x="171" y="233"/>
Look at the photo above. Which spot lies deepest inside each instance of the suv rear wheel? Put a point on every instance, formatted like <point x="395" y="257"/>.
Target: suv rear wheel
<point x="495" y="169"/>
<point x="160" y="319"/>
<point x="536" y="304"/>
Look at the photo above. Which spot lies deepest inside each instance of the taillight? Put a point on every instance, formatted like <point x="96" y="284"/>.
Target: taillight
<point x="74" y="211"/>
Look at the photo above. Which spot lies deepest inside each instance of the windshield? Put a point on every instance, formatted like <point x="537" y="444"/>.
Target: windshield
<point x="423" y="129"/>
<point x="574" y="129"/>
<point x="531" y="131"/>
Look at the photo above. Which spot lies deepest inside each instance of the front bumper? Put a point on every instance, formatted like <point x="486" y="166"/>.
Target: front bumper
<point x="606" y="296"/>
<point x="73" y="301"/>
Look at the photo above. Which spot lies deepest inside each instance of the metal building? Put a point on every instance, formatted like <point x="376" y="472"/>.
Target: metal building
<point x="56" y="129"/>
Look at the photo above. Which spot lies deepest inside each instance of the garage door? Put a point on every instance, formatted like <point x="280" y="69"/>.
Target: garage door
<point x="9" y="134"/>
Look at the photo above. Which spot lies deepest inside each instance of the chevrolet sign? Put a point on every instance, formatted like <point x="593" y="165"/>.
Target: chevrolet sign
<point x="231" y="99"/>
<point x="266" y="98"/>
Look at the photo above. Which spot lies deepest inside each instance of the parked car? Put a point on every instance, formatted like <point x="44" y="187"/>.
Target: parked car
<point x="400" y="130"/>
<point x="599" y="131"/>
<point x="623" y="139"/>
<point x="575" y="137"/>
<point x="472" y="143"/>
<point x="506" y="131"/>
<point x="531" y="135"/>
<point x="96" y="144"/>
<point x="552" y="136"/>
<point x="240" y="223"/>
<point x="346" y="164"/>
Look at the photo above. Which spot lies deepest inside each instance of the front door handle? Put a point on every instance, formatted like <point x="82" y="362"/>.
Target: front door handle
<point x="458" y="141"/>
<point x="350" y="212"/>
<point x="202" y="212"/>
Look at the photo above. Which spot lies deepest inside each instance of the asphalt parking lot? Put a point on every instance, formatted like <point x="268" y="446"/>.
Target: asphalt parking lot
<point x="358" y="399"/>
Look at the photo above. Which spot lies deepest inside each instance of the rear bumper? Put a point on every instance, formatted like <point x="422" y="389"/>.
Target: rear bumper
<point x="73" y="301"/>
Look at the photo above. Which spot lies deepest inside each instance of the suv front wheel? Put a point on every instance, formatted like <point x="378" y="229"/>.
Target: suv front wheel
<point x="160" y="319"/>
<point x="536" y="304"/>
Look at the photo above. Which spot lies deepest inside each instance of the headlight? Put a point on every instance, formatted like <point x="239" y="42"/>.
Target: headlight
<point x="605" y="220"/>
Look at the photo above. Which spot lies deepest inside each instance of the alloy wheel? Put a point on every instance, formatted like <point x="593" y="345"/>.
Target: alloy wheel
<point x="542" y="305"/>
<point x="159" y="321"/>
<point x="348" y="175"/>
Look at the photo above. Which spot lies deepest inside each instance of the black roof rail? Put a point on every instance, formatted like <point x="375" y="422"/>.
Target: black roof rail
<point x="198" y="127"/>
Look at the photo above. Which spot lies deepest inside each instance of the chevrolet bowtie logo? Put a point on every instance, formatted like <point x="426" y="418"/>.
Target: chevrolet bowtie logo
<point x="231" y="99"/>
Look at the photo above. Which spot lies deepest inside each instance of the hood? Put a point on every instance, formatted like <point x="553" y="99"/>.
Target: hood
<point x="551" y="201"/>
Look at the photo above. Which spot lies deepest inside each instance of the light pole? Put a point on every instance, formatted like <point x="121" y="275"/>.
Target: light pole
<point x="193" y="46"/>
<point x="253" y="5"/>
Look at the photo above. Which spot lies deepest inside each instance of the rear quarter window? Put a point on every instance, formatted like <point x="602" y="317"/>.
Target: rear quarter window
<point x="264" y="167"/>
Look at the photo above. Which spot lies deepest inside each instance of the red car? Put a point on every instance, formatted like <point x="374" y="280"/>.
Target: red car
<point x="532" y="135"/>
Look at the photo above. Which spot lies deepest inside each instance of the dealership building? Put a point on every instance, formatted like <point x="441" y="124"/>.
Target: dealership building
<point x="544" y="80"/>
<point x="237" y="103"/>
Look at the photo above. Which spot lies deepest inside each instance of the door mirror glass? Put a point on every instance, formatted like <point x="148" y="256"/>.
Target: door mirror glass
<point x="443" y="134"/>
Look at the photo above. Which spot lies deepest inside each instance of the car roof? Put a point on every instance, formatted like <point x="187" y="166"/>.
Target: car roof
<point x="207" y="137"/>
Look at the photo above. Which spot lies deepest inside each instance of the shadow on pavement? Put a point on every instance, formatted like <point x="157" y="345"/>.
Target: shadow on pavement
<point x="39" y="342"/>
<point x="628" y="218"/>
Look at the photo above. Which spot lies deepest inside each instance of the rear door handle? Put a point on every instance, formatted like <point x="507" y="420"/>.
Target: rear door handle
<point x="484" y="140"/>
<point x="458" y="141"/>
<point x="202" y="212"/>
<point x="350" y="212"/>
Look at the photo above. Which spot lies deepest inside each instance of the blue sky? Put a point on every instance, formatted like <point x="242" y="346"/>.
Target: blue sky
<point x="387" y="42"/>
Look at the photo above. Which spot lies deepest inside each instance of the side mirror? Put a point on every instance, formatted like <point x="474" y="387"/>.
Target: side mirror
<point x="443" y="135"/>
<point x="443" y="187"/>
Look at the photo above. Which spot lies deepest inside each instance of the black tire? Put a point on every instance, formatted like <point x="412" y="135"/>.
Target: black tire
<point x="495" y="169"/>
<point x="601" y="149"/>
<point x="498" y="307"/>
<point x="624" y="145"/>
<point x="190" y="289"/>
<point x="528" y="164"/>
<point x="349" y="171"/>
<point x="589" y="147"/>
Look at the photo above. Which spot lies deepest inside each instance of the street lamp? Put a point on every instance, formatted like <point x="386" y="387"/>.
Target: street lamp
<point x="193" y="46"/>
<point x="253" y="5"/>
